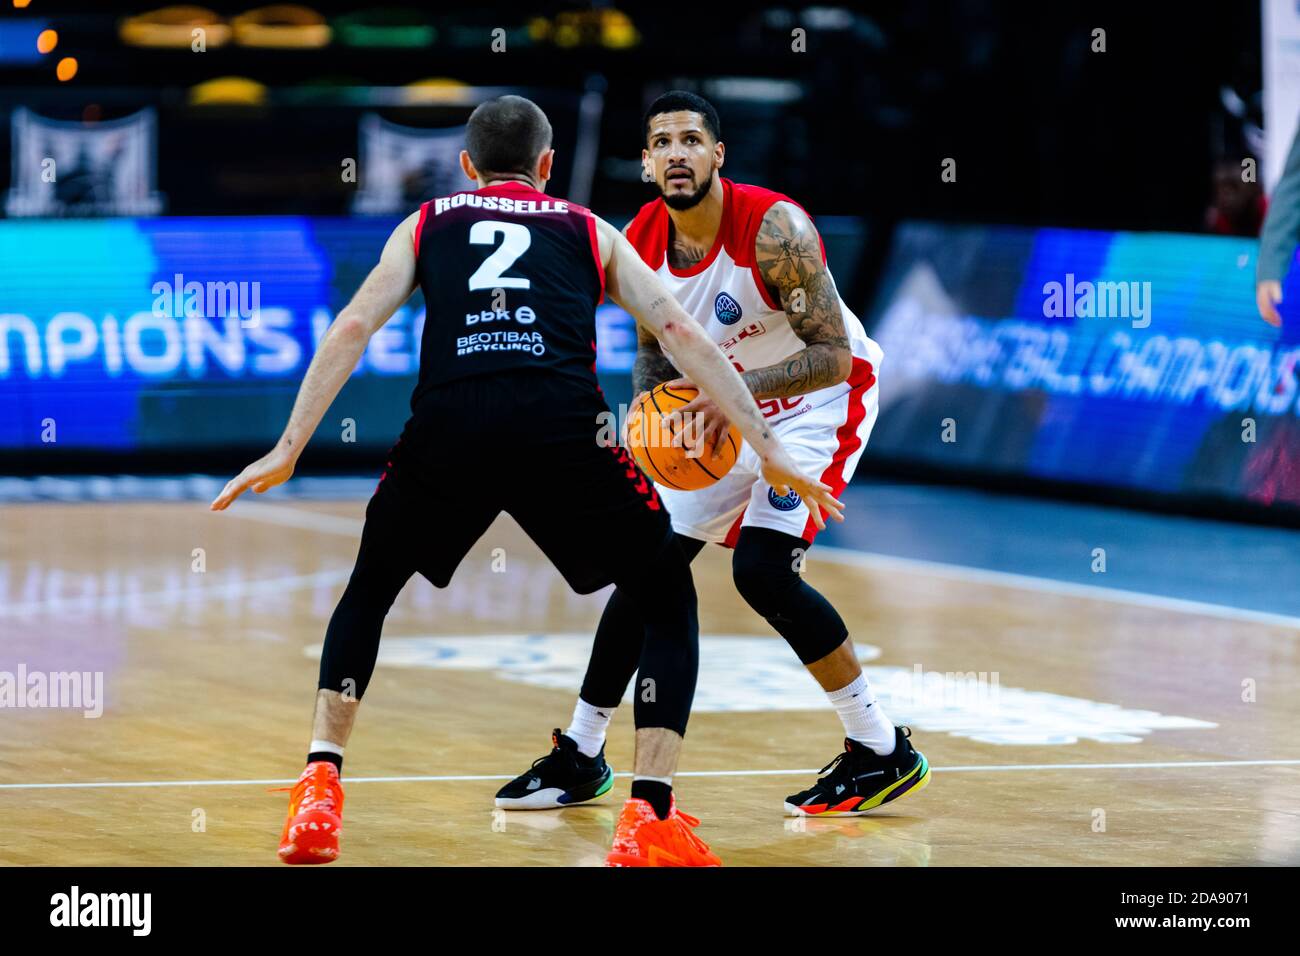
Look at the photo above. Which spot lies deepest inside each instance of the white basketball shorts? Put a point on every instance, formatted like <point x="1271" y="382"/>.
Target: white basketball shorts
<point x="826" y="441"/>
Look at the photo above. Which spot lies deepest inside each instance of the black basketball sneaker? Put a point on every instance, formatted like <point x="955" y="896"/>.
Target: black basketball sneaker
<point x="859" y="780"/>
<point x="562" y="778"/>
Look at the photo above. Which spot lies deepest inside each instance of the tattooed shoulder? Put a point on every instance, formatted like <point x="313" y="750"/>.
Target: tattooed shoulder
<point x="789" y="257"/>
<point x="787" y="249"/>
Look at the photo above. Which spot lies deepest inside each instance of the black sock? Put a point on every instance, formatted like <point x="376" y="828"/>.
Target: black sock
<point x="658" y="795"/>
<point x="335" y="759"/>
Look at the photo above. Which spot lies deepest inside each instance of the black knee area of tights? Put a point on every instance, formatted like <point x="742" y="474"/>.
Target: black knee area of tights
<point x="764" y="568"/>
<point x="620" y="636"/>
<point x="352" y="639"/>
<point x="670" y="656"/>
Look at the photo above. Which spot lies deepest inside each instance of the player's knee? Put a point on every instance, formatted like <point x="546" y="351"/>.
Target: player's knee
<point x="672" y="572"/>
<point x="661" y="591"/>
<point x="764" y="568"/>
<point x="764" y="565"/>
<point x="375" y="585"/>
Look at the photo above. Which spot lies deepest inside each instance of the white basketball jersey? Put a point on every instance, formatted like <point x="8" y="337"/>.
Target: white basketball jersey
<point x="726" y="295"/>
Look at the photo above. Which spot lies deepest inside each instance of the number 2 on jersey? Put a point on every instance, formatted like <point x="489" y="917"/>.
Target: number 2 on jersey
<point x="514" y="243"/>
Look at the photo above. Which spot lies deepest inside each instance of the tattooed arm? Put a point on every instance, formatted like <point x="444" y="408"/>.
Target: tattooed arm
<point x="789" y="259"/>
<point x="651" y="366"/>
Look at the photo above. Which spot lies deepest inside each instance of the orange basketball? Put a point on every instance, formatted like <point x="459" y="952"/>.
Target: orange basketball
<point x="650" y="441"/>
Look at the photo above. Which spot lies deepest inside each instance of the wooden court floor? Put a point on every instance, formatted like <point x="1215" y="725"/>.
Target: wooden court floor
<point x="1103" y="732"/>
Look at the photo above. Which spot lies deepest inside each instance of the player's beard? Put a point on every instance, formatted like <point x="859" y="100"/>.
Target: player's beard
<point x="679" y="202"/>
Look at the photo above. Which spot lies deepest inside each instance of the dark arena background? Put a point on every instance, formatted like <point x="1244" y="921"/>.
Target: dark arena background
<point x="1069" y="562"/>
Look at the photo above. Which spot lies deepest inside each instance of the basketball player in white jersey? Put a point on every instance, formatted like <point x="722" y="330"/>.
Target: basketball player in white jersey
<point x="748" y="265"/>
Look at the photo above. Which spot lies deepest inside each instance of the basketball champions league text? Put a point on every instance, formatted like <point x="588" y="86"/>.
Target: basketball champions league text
<point x="172" y="336"/>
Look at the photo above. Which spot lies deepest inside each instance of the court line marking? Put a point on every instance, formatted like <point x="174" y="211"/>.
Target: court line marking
<point x="289" y="516"/>
<point x="459" y="778"/>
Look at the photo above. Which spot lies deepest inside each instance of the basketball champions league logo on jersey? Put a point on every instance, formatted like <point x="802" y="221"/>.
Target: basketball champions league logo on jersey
<point x="787" y="502"/>
<point x="726" y="309"/>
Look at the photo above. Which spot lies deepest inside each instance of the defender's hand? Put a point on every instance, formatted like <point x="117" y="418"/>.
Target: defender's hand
<point x="706" y="425"/>
<point x="274" y="468"/>
<point x="780" y="472"/>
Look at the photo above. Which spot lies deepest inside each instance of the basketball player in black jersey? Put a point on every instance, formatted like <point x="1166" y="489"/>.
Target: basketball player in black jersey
<point x="513" y="389"/>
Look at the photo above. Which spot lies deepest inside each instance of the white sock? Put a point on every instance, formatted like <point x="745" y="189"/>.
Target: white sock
<point x="864" y="720"/>
<point x="588" y="726"/>
<point x="325" y="747"/>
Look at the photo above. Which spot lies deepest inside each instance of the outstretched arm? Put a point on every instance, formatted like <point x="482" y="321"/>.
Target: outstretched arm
<point x="389" y="284"/>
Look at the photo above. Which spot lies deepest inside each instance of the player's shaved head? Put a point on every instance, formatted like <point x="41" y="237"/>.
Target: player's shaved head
<point x="680" y="101"/>
<point x="507" y="135"/>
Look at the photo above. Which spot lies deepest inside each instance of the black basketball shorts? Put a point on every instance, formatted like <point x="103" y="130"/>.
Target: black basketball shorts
<point x="526" y="444"/>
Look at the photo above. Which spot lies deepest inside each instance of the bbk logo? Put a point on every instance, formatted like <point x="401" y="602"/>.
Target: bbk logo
<point x="523" y="315"/>
<point x="783" y="503"/>
<point x="726" y="309"/>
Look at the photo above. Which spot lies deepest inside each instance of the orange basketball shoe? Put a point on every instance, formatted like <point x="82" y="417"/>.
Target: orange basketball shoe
<point x="642" y="839"/>
<point x="315" y="823"/>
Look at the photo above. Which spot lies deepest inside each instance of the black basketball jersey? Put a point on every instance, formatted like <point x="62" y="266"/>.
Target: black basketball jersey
<point x="511" y="279"/>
